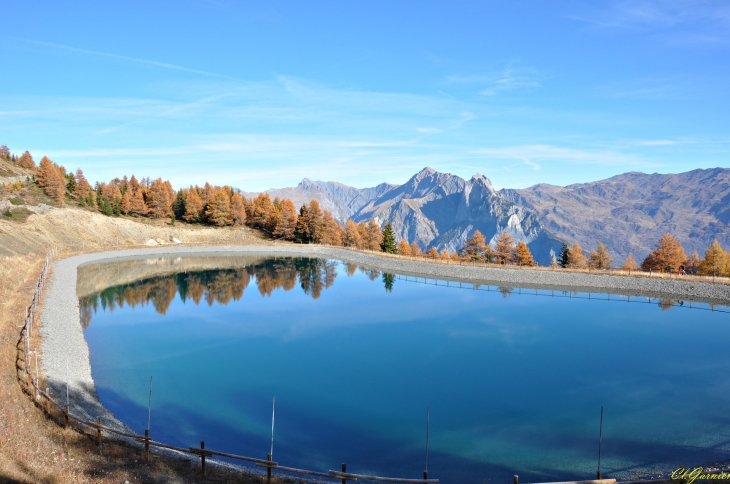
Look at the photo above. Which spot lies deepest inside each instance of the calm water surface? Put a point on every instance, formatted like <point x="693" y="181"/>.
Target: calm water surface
<point x="514" y="381"/>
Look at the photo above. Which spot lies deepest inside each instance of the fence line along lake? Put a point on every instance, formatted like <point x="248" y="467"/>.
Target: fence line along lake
<point x="514" y="378"/>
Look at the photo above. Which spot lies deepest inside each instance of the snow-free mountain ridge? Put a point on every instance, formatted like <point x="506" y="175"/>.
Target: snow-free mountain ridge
<point x="627" y="212"/>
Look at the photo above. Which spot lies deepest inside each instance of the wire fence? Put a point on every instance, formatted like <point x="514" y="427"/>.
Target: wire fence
<point x="100" y="246"/>
<point x="31" y="385"/>
<point x="506" y="290"/>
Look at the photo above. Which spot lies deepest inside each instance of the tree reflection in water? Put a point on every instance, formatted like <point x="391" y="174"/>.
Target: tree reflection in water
<point x="221" y="286"/>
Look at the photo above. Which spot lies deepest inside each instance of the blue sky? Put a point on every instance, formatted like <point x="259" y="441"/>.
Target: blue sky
<point x="262" y="94"/>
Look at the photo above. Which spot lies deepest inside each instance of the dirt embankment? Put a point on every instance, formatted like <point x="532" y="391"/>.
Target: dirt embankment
<point x="74" y="229"/>
<point x="34" y="449"/>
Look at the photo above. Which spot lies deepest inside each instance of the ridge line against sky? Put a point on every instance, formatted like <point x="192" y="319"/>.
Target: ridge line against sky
<point x="263" y="96"/>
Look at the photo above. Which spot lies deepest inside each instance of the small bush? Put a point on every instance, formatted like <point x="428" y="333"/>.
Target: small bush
<point x="16" y="201"/>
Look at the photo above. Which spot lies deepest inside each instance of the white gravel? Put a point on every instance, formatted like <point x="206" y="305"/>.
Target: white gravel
<point x="63" y="338"/>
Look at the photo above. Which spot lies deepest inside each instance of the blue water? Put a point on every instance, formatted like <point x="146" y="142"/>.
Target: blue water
<point x="514" y="378"/>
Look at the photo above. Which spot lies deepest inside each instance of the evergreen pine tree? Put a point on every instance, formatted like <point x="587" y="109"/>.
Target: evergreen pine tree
<point x="388" y="281"/>
<point x="388" y="243"/>
<point x="564" y="256"/>
<point x="301" y="231"/>
<point x="70" y="183"/>
<point x="106" y="207"/>
<point x="178" y="206"/>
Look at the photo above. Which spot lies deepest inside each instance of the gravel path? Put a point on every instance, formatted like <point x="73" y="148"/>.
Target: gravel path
<point x="63" y="338"/>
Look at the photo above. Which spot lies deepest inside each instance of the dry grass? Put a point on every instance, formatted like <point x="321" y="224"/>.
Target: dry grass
<point x="35" y="448"/>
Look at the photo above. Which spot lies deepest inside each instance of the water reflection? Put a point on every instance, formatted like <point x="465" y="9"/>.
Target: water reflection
<point x="219" y="285"/>
<point x="224" y="285"/>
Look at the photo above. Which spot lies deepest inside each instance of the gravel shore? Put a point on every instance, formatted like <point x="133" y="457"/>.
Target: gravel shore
<point x="63" y="338"/>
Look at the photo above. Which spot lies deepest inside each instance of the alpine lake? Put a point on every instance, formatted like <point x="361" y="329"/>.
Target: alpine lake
<point x="513" y="379"/>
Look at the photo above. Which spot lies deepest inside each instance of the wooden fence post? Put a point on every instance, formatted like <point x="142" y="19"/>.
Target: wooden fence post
<point x="65" y="415"/>
<point x="344" y="469"/>
<point x="98" y="433"/>
<point x="517" y="480"/>
<point x="147" y="445"/>
<point x="269" y="457"/>
<point x="202" y="455"/>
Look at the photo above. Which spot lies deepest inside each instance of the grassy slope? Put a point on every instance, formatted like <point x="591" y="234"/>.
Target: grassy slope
<point x="32" y="447"/>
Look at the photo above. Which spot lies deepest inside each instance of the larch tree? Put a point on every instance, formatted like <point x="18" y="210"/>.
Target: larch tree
<point x="159" y="198"/>
<point x="554" y="264"/>
<point x="600" y="258"/>
<point x="433" y="253"/>
<point x="238" y="209"/>
<point x="523" y="256"/>
<point x="630" y="263"/>
<point x="193" y="206"/>
<point x="218" y="209"/>
<point x="82" y="186"/>
<point x="126" y="204"/>
<point x="668" y="255"/>
<point x="261" y="210"/>
<point x="576" y="257"/>
<point x="274" y="218"/>
<point x="50" y="177"/>
<point x="474" y="247"/>
<point x="138" y="206"/>
<point x="44" y="168"/>
<point x="504" y="248"/>
<point x="387" y="245"/>
<point x="445" y="255"/>
<point x="362" y="229"/>
<point x="649" y="263"/>
<point x="330" y="230"/>
<point x="26" y="161"/>
<point x="416" y="250"/>
<point x="716" y="261"/>
<point x="692" y="264"/>
<point x="287" y="221"/>
<point x="404" y="248"/>
<point x="375" y="236"/>
<point x="5" y="152"/>
<point x="315" y="221"/>
<point x="352" y="235"/>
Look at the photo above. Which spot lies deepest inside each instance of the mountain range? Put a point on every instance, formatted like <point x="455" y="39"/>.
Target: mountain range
<point x="627" y="212"/>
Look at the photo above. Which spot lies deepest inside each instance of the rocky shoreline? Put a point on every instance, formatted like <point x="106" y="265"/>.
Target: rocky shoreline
<point x="63" y="338"/>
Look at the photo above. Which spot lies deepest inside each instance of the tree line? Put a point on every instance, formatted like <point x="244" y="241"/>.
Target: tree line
<point x="279" y="218"/>
<point x="667" y="256"/>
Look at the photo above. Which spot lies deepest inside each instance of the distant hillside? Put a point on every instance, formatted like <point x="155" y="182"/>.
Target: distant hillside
<point x="630" y="212"/>
<point x="433" y="209"/>
<point x="341" y="200"/>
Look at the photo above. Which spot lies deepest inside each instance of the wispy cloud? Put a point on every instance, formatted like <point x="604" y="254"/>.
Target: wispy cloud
<point x="511" y="78"/>
<point x="646" y="89"/>
<point x="657" y="142"/>
<point x="531" y="155"/>
<point x="110" y="55"/>
<point x="701" y="22"/>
